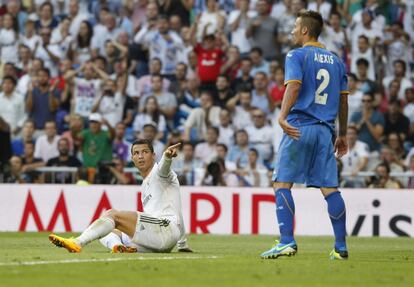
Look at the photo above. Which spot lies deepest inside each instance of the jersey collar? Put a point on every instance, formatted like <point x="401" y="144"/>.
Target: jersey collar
<point x="316" y="44"/>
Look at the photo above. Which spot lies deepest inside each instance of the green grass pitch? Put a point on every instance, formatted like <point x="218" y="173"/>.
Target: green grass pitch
<point x="218" y="261"/>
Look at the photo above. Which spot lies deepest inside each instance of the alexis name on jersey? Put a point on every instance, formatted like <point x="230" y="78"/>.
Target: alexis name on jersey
<point x="323" y="58"/>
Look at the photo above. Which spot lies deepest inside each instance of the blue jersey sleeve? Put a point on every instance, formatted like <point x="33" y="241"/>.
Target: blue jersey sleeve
<point x="293" y="68"/>
<point x="344" y="80"/>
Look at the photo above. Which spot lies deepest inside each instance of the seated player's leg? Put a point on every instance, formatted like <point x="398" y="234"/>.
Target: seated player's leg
<point x="115" y="241"/>
<point x="155" y="234"/>
<point x="124" y="221"/>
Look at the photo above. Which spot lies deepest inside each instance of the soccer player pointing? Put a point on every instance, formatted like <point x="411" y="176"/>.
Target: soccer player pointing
<point x="315" y="95"/>
<point x="158" y="228"/>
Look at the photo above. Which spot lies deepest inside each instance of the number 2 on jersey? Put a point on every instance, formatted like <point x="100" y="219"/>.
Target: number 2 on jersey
<point x="320" y="97"/>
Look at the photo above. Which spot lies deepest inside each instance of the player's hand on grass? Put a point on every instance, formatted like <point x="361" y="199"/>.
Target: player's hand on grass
<point x="172" y="151"/>
<point x="288" y="129"/>
<point x="341" y="146"/>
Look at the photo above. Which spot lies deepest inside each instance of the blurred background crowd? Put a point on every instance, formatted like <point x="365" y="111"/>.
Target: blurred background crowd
<point x="80" y="80"/>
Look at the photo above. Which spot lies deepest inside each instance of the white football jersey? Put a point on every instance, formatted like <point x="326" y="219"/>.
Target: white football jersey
<point x="161" y="193"/>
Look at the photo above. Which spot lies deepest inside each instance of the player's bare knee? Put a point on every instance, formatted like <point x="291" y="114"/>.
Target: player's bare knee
<point x="328" y="190"/>
<point x="111" y="213"/>
<point x="278" y="185"/>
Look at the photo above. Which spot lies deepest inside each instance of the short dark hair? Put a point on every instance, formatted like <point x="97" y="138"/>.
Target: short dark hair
<point x="10" y="78"/>
<point x="254" y="150"/>
<point x="141" y="142"/>
<point x="386" y="165"/>
<point x="362" y="61"/>
<point x="257" y="50"/>
<point x="364" y="37"/>
<point x="402" y="62"/>
<point x="223" y="146"/>
<point x="313" y="21"/>
<point x="353" y="76"/>
<point x="46" y="70"/>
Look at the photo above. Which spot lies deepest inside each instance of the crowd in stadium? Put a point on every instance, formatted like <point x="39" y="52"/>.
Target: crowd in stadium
<point x="80" y="80"/>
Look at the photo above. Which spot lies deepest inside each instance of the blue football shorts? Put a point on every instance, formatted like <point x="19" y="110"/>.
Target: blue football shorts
<point x="310" y="160"/>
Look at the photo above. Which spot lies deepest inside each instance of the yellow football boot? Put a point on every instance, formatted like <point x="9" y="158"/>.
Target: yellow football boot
<point x="68" y="244"/>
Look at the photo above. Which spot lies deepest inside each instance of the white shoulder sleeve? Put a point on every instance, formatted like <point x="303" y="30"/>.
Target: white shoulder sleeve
<point x="164" y="168"/>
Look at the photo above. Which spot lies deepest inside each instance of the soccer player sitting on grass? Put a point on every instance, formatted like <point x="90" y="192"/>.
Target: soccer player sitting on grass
<point x="316" y="90"/>
<point x="158" y="228"/>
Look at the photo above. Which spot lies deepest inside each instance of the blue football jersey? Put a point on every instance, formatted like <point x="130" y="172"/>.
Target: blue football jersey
<point x="322" y="77"/>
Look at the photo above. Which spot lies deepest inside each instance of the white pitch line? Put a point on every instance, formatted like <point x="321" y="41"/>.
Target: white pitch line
<point x="69" y="261"/>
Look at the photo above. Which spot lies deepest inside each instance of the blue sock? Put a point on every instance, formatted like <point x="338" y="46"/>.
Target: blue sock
<point x="337" y="214"/>
<point x="285" y="211"/>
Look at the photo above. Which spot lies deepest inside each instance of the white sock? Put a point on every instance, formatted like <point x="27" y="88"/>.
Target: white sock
<point x="98" y="229"/>
<point x="111" y="240"/>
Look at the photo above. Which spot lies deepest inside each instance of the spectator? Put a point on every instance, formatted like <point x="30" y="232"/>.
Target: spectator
<point x="226" y="129"/>
<point x="231" y="65"/>
<point x="12" y="106"/>
<point x="42" y="100"/>
<point x="46" y="144"/>
<point x="201" y="118"/>
<point x="27" y="135"/>
<point x="86" y="90"/>
<point x="49" y="53"/>
<point x="244" y="80"/>
<point x="209" y="56"/>
<point x="178" y="85"/>
<point x="396" y="144"/>
<point x="367" y="28"/>
<point x="367" y="85"/>
<point x="239" y="151"/>
<point x="354" y="96"/>
<point x="30" y="38"/>
<point x="186" y="165"/>
<point x="162" y="44"/>
<point x="25" y="60"/>
<point x="9" y="36"/>
<point x="166" y="101"/>
<point x="396" y="121"/>
<point x="207" y="151"/>
<point x="80" y="47"/>
<point x="111" y="102"/>
<point x="144" y="84"/>
<point x="398" y="47"/>
<point x="241" y="108"/>
<point x="222" y="150"/>
<point x="121" y="148"/>
<point x="238" y="21"/>
<point x="262" y="30"/>
<point x="334" y="36"/>
<point x="382" y="178"/>
<point x="261" y="135"/>
<point x="64" y="159"/>
<point x="216" y="174"/>
<point x="150" y="133"/>
<point x="96" y="144"/>
<point x="223" y="93"/>
<point x="258" y="63"/>
<point x="370" y="123"/>
<point x="409" y="107"/>
<point x="399" y="75"/>
<point x="388" y="156"/>
<point x="46" y="17"/>
<point x="278" y="90"/>
<point x="15" y="174"/>
<point x="211" y="20"/>
<point x="363" y="51"/>
<point x="356" y="160"/>
<point x="109" y="31"/>
<point x="254" y="173"/>
<point x="77" y="17"/>
<point x="260" y="94"/>
<point x="30" y="162"/>
<point x="150" y="113"/>
<point x="321" y="6"/>
<point x="113" y="173"/>
<point x="14" y="8"/>
<point x="75" y="127"/>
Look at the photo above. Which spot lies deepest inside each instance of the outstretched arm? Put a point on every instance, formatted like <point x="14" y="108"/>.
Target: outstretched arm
<point x="166" y="160"/>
